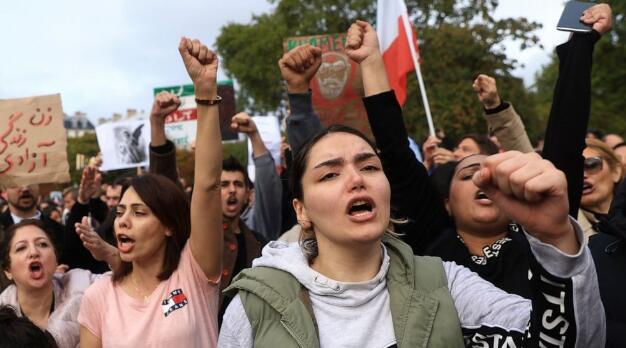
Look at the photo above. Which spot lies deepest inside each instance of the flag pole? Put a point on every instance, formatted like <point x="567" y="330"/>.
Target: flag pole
<point x="418" y="71"/>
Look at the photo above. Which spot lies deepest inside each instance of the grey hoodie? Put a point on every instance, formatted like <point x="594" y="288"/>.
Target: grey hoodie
<point x="567" y="303"/>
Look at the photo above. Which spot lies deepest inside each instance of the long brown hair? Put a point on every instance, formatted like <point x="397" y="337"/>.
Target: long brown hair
<point x="170" y="205"/>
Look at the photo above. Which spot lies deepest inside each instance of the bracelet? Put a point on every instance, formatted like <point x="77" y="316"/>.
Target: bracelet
<point x="209" y="102"/>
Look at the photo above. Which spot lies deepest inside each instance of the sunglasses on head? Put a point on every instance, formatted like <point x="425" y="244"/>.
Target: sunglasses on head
<point x="593" y="164"/>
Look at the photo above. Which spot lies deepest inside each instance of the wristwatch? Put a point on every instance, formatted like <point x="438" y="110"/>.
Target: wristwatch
<point x="209" y="102"/>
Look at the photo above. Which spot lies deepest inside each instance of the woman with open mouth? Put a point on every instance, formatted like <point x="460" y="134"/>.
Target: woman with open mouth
<point x="602" y="175"/>
<point x="602" y="215"/>
<point x="165" y="293"/>
<point x="48" y="299"/>
<point x="350" y="282"/>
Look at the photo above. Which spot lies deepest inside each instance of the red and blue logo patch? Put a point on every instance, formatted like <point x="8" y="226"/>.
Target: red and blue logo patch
<point x="176" y="300"/>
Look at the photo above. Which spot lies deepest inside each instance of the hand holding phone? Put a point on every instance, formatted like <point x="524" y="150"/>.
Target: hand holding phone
<point x="600" y="17"/>
<point x="571" y="17"/>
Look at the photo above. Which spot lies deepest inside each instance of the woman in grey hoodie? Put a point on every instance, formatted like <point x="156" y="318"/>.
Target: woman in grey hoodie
<point x="349" y="283"/>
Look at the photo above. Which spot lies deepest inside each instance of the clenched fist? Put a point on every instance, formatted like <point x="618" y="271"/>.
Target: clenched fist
<point x="164" y="104"/>
<point x="362" y="42"/>
<point x="600" y="17"/>
<point x="243" y="123"/>
<point x="298" y="66"/>
<point x="485" y="88"/>
<point x="201" y="65"/>
<point x="531" y="192"/>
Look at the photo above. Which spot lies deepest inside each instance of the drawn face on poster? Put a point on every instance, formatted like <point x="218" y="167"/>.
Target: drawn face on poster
<point x="130" y="144"/>
<point x="337" y="86"/>
<point x="333" y="74"/>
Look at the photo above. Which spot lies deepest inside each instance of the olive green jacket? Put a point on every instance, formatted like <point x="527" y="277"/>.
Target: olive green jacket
<point x="422" y="309"/>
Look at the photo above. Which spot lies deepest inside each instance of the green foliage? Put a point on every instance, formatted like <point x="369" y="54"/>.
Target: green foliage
<point x="449" y="69"/>
<point x="458" y="40"/>
<point x="86" y="145"/>
<point x="250" y="52"/>
<point x="607" y="80"/>
<point x="239" y="150"/>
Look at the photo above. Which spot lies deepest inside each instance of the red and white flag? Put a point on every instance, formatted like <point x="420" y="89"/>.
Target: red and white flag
<point x="399" y="53"/>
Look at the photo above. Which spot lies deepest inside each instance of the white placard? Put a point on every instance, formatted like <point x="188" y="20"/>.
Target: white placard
<point x="182" y="134"/>
<point x="269" y="129"/>
<point x="124" y="144"/>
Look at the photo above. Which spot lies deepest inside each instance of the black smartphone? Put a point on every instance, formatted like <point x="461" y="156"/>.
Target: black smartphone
<point x="570" y="19"/>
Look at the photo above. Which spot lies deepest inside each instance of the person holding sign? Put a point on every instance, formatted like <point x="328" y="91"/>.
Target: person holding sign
<point x="166" y="293"/>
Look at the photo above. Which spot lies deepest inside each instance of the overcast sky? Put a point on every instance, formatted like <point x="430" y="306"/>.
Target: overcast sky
<point x="107" y="56"/>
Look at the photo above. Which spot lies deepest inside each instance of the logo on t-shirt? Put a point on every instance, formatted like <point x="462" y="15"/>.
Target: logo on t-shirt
<point x="176" y="300"/>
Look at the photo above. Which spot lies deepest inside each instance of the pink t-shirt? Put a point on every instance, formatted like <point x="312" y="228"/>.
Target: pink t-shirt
<point x="180" y="312"/>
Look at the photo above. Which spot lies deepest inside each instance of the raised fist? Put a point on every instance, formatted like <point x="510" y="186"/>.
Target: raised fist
<point x="243" y="123"/>
<point x="531" y="192"/>
<point x="164" y="104"/>
<point x="485" y="88"/>
<point x="298" y="66"/>
<point x="600" y="17"/>
<point x="362" y="42"/>
<point x="201" y="65"/>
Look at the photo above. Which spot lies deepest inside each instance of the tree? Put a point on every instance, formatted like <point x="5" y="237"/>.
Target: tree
<point x="607" y="80"/>
<point x="458" y="40"/>
<point x="86" y="145"/>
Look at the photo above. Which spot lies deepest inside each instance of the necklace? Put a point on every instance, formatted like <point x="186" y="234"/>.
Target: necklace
<point x="137" y="290"/>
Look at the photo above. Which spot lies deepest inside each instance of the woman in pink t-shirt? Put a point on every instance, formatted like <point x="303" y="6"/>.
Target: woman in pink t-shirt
<point x="166" y="292"/>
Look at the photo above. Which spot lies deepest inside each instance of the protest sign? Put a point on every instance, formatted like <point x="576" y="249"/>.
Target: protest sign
<point x="33" y="141"/>
<point x="269" y="130"/>
<point x="337" y="86"/>
<point x="124" y="144"/>
<point x="180" y="126"/>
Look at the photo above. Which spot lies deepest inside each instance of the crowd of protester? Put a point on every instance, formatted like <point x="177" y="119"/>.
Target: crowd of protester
<point x="482" y="241"/>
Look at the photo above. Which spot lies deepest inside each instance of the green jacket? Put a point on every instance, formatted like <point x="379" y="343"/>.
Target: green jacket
<point x="422" y="309"/>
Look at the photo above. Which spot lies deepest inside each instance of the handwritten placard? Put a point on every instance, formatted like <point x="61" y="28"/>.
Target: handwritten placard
<point x="33" y="141"/>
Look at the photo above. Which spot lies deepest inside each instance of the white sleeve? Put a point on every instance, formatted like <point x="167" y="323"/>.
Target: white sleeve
<point x="480" y="304"/>
<point x="564" y="309"/>
<point x="236" y="331"/>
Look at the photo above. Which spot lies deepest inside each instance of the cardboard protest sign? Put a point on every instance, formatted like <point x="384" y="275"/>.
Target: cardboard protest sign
<point x="33" y="141"/>
<point x="124" y="144"/>
<point x="180" y="126"/>
<point x="269" y="130"/>
<point x="337" y="86"/>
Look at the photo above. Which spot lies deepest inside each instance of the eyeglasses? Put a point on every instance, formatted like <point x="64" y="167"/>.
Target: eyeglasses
<point x="593" y="165"/>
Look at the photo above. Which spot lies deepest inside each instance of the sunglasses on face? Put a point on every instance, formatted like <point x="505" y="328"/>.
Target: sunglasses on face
<point x="593" y="164"/>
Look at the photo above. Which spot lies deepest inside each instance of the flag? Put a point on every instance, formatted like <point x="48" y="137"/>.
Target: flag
<point x="393" y="29"/>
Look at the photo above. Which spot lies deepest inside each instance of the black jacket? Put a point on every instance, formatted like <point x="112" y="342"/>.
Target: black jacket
<point x="162" y="161"/>
<point x="415" y="196"/>
<point x="565" y="141"/>
<point x="608" y="249"/>
<point x="82" y="257"/>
